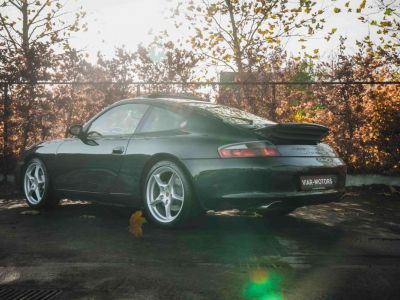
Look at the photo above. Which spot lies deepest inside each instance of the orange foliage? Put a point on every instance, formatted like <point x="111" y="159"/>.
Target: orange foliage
<point x="364" y="120"/>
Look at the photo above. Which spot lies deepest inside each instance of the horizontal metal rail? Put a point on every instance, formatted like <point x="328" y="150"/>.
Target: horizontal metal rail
<point x="200" y="83"/>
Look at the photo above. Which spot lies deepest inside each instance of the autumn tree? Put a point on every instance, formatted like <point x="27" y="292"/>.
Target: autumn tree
<point x="383" y="17"/>
<point x="120" y="69"/>
<point x="241" y="36"/>
<point x="164" y="62"/>
<point x="76" y="102"/>
<point x="32" y="33"/>
<point x="363" y="119"/>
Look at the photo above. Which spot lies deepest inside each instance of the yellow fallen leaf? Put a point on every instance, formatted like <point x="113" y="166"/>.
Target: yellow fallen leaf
<point x="135" y="223"/>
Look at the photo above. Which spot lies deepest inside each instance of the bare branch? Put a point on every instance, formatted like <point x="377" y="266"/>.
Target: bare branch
<point x="16" y="31"/>
<point x="54" y="16"/>
<point x="218" y="59"/>
<point x="259" y="24"/>
<point x="5" y="26"/>
<point x="51" y="32"/>
<point x="37" y="13"/>
<point x="19" y="7"/>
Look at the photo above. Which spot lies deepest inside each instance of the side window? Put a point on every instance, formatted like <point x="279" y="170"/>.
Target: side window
<point x="161" y="119"/>
<point x="120" y="120"/>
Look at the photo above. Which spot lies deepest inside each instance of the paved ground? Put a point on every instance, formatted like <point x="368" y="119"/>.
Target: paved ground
<point x="347" y="250"/>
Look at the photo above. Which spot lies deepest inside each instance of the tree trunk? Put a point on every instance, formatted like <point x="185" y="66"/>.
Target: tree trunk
<point x="6" y="120"/>
<point x="30" y="73"/>
<point x="238" y="55"/>
<point x="25" y="26"/>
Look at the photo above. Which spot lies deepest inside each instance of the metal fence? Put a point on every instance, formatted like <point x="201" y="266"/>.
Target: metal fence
<point x="210" y="90"/>
<point x="6" y="85"/>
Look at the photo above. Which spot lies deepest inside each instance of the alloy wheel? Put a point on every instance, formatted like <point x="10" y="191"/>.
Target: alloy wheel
<point x="34" y="183"/>
<point x="165" y="194"/>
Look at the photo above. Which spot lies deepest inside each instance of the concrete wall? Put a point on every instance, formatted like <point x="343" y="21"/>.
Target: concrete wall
<point x="369" y="179"/>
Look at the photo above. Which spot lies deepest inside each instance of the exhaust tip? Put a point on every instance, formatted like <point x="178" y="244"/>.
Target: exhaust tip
<point x="270" y="205"/>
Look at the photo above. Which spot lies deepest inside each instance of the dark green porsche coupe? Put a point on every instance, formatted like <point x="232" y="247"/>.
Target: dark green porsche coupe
<point x="177" y="157"/>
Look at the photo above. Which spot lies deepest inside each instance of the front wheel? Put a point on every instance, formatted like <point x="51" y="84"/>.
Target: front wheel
<point x="169" y="200"/>
<point x="36" y="186"/>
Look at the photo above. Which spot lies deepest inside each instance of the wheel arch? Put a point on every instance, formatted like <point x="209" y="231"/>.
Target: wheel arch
<point x="24" y="163"/>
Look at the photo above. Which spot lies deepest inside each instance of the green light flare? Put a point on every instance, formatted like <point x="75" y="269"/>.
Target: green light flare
<point x="263" y="285"/>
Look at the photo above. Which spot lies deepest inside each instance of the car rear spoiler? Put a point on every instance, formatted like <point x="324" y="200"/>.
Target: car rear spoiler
<point x="293" y="133"/>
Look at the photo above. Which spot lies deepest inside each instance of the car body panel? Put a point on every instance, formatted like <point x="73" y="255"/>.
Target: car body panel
<point x="177" y="144"/>
<point x="45" y="150"/>
<point x="246" y="182"/>
<point x="87" y="169"/>
<point x="88" y="166"/>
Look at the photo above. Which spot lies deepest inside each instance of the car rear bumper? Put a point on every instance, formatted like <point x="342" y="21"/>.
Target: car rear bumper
<point x="253" y="182"/>
<point x="277" y="200"/>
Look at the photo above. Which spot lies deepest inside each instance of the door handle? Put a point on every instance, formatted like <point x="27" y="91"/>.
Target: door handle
<point x="118" y="150"/>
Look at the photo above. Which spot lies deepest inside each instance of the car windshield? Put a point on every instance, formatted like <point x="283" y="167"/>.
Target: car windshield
<point x="232" y="115"/>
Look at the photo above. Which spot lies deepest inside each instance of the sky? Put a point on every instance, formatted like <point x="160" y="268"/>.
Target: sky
<point x="114" y="23"/>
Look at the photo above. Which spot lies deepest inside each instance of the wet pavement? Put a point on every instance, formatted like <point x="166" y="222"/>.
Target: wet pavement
<point x="346" y="250"/>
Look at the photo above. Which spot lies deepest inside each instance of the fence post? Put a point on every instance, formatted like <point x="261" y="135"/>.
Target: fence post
<point x="274" y="104"/>
<point x="6" y="114"/>
<point x="138" y="90"/>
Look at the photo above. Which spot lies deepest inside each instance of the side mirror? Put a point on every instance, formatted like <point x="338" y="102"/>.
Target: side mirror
<point x="75" y="130"/>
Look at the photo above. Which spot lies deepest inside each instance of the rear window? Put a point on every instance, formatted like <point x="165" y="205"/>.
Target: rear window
<point x="231" y="115"/>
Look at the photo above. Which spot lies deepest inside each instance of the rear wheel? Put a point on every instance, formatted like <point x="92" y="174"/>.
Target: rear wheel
<point x="169" y="200"/>
<point x="36" y="186"/>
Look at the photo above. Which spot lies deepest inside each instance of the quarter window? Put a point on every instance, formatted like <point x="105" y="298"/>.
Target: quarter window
<point x="161" y="119"/>
<point x="232" y="115"/>
<point x="120" y="120"/>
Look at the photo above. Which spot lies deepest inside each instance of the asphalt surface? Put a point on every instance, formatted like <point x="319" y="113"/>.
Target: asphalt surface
<point x="346" y="250"/>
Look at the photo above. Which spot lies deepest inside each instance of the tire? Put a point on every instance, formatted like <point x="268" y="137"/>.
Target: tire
<point x="168" y="197"/>
<point x="37" y="187"/>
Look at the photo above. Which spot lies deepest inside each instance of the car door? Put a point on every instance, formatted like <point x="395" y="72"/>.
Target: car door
<point x="91" y="164"/>
<point x="159" y="132"/>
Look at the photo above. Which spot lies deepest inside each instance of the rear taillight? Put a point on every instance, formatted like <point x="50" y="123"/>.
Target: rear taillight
<point x="250" y="149"/>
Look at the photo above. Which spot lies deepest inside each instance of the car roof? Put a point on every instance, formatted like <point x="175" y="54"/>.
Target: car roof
<point x="161" y="99"/>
